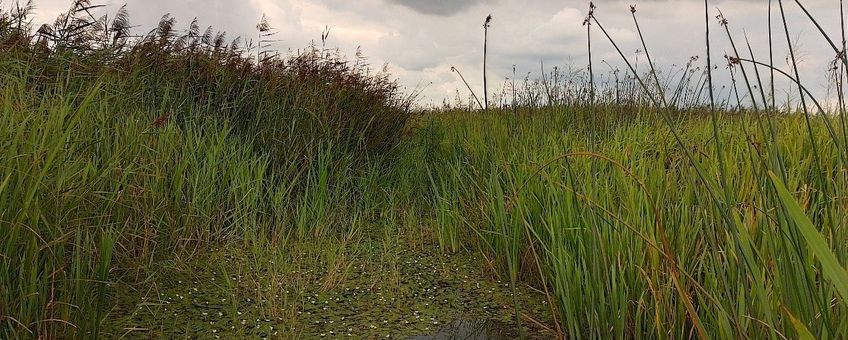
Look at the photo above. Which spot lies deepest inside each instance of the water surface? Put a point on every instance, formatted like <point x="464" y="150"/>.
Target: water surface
<point x="472" y="329"/>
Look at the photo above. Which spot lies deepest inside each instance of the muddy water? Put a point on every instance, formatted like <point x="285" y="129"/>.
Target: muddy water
<point x="472" y="329"/>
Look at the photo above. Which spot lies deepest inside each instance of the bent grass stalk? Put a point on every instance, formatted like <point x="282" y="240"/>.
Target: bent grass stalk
<point x="454" y="69"/>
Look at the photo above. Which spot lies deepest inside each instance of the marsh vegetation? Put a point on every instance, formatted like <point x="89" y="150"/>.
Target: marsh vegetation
<point x="177" y="184"/>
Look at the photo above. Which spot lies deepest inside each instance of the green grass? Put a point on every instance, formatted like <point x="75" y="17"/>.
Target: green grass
<point x="627" y="235"/>
<point x="118" y="156"/>
<point x="128" y="165"/>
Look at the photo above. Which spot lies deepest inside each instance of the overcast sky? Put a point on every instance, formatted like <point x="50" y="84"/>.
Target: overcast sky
<point x="421" y="39"/>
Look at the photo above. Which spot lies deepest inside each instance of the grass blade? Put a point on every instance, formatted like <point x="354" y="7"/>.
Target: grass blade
<point x="833" y="271"/>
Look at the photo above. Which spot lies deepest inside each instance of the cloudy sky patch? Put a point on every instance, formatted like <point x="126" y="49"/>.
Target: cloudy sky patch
<point x="421" y="39"/>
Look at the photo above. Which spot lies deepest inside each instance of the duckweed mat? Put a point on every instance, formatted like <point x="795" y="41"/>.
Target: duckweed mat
<point x="333" y="289"/>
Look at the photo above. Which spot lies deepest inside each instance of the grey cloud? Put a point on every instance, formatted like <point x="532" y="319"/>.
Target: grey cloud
<point x="422" y="39"/>
<point x="437" y="7"/>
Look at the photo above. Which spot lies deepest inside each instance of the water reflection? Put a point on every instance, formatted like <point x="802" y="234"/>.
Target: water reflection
<point x="471" y="330"/>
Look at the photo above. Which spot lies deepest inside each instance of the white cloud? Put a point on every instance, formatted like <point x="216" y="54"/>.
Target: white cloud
<point x="421" y="40"/>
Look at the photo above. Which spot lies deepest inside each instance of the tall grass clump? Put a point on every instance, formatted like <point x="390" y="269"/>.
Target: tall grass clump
<point x="643" y="204"/>
<point x="654" y="211"/>
<point x="119" y="151"/>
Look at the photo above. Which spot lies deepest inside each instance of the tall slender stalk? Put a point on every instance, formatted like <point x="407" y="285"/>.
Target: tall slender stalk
<point x="724" y="23"/>
<point x="656" y="77"/>
<point x="802" y="89"/>
<point x="588" y="23"/>
<point x="734" y="88"/>
<point x="770" y="132"/>
<point x="690" y="309"/>
<point x="544" y="82"/>
<point x="757" y="75"/>
<point x="813" y="143"/>
<point x="771" y="58"/>
<point x="454" y="69"/>
<point x="514" y="102"/>
<point x="840" y="55"/>
<point x="722" y="168"/>
<point x="486" y="25"/>
<point x="841" y="77"/>
<point x="820" y="174"/>
<point x="709" y="61"/>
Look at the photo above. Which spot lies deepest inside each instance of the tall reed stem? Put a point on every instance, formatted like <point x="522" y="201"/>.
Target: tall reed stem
<point x="486" y="25"/>
<point x="813" y="143"/>
<point x="588" y="24"/>
<point x="656" y="77"/>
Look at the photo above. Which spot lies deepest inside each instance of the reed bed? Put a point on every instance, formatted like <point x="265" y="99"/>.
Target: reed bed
<point x="120" y="151"/>
<point x="628" y="241"/>
<point x="643" y="204"/>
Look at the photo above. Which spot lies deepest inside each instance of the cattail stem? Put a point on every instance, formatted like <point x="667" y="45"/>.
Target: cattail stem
<point x="485" y="56"/>
<point x="688" y="154"/>
<point x="485" y="81"/>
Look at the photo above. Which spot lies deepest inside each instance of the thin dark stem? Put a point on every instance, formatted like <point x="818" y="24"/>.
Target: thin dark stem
<point x="772" y="135"/>
<point x="841" y="79"/>
<point x="485" y="56"/>
<point x="798" y="82"/>
<point x="840" y="89"/>
<point x="713" y="114"/>
<point x="678" y="139"/>
<point x="794" y="80"/>
<point x="591" y="72"/>
<point x="823" y="182"/>
<point x="648" y="55"/>
<point x="468" y="86"/>
<point x="813" y="143"/>
<point x="701" y="174"/>
<point x="514" y="102"/>
<point x="545" y="82"/>
<point x="709" y="57"/>
<point x="840" y="54"/>
<point x="736" y="53"/>
<point x="771" y="58"/>
<point x="757" y="74"/>
<point x="735" y="89"/>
